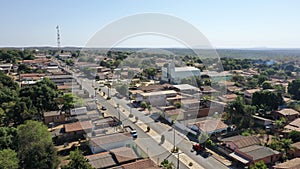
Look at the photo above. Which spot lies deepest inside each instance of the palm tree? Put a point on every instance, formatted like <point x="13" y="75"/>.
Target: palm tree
<point x="167" y="165"/>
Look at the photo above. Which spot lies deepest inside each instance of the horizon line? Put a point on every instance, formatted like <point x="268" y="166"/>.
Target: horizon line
<point x="153" y="47"/>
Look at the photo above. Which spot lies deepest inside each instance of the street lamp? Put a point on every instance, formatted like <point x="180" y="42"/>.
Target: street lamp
<point x="174" y="138"/>
<point x="117" y="107"/>
<point x="173" y="135"/>
<point x="95" y="94"/>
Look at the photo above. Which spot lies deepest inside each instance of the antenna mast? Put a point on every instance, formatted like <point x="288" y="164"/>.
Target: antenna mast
<point x="58" y="38"/>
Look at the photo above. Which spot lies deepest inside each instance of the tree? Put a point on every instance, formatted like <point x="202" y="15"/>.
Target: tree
<point x="35" y="146"/>
<point x="8" y="159"/>
<point x="203" y="137"/>
<point x="280" y="88"/>
<point x="77" y="161"/>
<point x="240" y="113"/>
<point x="130" y="74"/>
<point x="252" y="83"/>
<point x="238" y="78"/>
<point x="267" y="99"/>
<point x="149" y="72"/>
<point x="261" y="79"/>
<point x="43" y="96"/>
<point x="247" y="121"/>
<point x="69" y="101"/>
<point x="279" y="124"/>
<point x="270" y="71"/>
<point x="282" y="145"/>
<point x="22" y="68"/>
<point x="8" y="138"/>
<point x="259" y="165"/>
<point x="144" y="105"/>
<point x="294" y="89"/>
<point x="295" y="136"/>
<point x="177" y="104"/>
<point x="167" y="165"/>
<point x="266" y="85"/>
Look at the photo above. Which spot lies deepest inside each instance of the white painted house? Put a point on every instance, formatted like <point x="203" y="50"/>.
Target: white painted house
<point x="172" y="74"/>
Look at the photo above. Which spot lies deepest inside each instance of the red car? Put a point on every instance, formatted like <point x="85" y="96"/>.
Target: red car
<point x="198" y="147"/>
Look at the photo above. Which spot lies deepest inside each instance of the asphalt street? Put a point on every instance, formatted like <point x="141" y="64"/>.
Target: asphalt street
<point x="156" y="152"/>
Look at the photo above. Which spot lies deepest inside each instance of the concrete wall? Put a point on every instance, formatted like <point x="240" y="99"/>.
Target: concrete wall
<point x="55" y="119"/>
<point x="107" y="147"/>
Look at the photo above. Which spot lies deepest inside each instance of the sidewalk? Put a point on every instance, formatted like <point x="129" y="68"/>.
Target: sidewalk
<point x="167" y="145"/>
<point x="220" y="158"/>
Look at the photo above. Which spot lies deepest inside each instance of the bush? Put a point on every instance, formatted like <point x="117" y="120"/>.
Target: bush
<point x="190" y="164"/>
<point x="130" y="115"/>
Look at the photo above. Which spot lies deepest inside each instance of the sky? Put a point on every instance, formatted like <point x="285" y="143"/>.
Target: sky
<point x="226" y="24"/>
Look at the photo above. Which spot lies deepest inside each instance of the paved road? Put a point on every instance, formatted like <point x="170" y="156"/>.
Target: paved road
<point x="144" y="141"/>
<point x="180" y="141"/>
<point x="156" y="151"/>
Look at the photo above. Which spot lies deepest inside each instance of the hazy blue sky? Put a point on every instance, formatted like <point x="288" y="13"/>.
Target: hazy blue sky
<point x="232" y="23"/>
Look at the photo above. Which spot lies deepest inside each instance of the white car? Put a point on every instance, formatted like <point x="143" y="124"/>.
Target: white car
<point x="134" y="133"/>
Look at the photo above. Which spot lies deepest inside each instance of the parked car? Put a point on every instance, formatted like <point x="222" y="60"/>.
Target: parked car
<point x="134" y="133"/>
<point x="198" y="147"/>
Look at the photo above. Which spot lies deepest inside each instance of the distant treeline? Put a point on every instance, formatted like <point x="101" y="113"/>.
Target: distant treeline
<point x="231" y="53"/>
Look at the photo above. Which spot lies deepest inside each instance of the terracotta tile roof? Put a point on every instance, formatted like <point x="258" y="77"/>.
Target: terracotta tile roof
<point x="62" y="87"/>
<point x="32" y="75"/>
<point x="174" y="112"/>
<point x="251" y="91"/>
<point x="101" y="160"/>
<point x="230" y="96"/>
<point x="227" y="83"/>
<point x="233" y="138"/>
<point x="53" y="113"/>
<point x="291" y="164"/>
<point x="247" y="141"/>
<point x="294" y="125"/>
<point x="190" y="101"/>
<point x="210" y="125"/>
<point x="208" y="89"/>
<point x="124" y="154"/>
<point x="153" y="88"/>
<point x="234" y="88"/>
<point x="42" y="60"/>
<point x="141" y="164"/>
<point x="257" y="152"/>
<point x="78" y="126"/>
<point x="243" y="141"/>
<point x="296" y="145"/>
<point x="286" y="112"/>
<point x="177" y="97"/>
